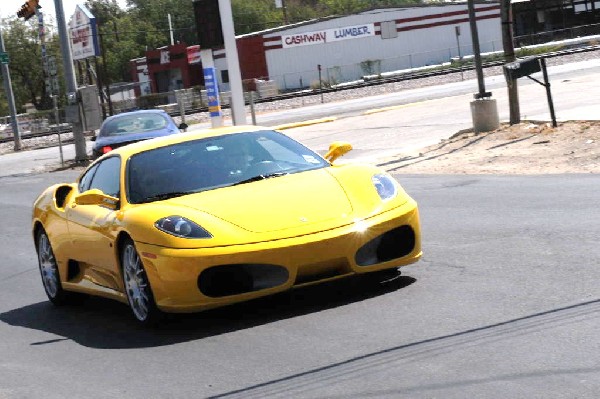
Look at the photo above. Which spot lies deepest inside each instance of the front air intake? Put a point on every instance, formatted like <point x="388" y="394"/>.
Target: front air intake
<point x="394" y="244"/>
<point x="225" y="280"/>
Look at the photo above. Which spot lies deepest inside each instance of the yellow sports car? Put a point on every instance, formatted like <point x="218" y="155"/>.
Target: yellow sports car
<point x="205" y="219"/>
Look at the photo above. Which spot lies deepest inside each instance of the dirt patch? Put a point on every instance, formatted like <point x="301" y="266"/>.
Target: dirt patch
<point x="526" y="148"/>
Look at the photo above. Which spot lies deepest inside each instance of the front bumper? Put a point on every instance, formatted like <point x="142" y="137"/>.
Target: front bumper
<point x="174" y="273"/>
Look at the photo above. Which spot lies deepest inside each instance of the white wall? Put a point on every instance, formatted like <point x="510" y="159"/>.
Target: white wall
<point x="412" y="48"/>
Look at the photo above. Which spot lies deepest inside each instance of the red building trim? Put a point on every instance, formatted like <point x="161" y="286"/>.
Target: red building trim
<point x="446" y="15"/>
<point x="450" y="22"/>
<point x="251" y="51"/>
<point x="172" y="58"/>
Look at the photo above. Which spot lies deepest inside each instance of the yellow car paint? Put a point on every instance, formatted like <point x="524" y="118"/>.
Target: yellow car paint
<point x="311" y="224"/>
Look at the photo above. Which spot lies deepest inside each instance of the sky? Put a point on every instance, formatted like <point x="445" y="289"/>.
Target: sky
<point x="47" y="7"/>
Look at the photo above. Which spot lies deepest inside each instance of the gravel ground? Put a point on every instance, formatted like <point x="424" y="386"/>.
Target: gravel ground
<point x="40" y="142"/>
<point x="526" y="148"/>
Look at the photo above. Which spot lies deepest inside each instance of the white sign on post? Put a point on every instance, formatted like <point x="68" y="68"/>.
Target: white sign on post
<point x="84" y="34"/>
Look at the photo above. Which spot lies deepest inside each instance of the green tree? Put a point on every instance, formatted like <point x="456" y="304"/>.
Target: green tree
<point x="257" y="15"/>
<point x="155" y="13"/>
<point x="123" y="37"/>
<point x="22" y="43"/>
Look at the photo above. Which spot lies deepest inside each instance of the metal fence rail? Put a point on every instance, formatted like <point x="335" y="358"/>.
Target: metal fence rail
<point x="555" y="35"/>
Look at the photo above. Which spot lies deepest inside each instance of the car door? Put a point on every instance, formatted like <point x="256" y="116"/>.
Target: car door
<point x="92" y="227"/>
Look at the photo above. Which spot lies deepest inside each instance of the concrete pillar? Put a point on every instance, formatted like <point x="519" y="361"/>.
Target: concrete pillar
<point x="485" y="115"/>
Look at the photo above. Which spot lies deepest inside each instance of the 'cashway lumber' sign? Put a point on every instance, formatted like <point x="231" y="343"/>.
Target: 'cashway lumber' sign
<point x="328" y="35"/>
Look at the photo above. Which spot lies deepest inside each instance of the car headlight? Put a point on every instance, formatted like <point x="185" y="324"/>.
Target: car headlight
<point x="181" y="227"/>
<point x="386" y="186"/>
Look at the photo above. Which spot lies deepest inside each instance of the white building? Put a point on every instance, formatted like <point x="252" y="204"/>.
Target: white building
<point x="370" y="42"/>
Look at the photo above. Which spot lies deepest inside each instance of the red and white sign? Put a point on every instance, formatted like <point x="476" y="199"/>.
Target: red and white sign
<point x="193" y="54"/>
<point x="165" y="57"/>
<point x="84" y="36"/>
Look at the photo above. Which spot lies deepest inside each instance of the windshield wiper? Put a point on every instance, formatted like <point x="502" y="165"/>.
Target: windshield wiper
<point x="164" y="196"/>
<point x="261" y="177"/>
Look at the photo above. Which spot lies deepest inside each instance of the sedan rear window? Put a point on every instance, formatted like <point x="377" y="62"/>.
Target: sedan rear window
<point x="133" y="124"/>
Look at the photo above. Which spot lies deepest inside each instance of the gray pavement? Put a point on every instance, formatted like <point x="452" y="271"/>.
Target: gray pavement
<point x="504" y="304"/>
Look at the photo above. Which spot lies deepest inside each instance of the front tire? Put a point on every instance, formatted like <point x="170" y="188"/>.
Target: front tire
<point x="49" y="272"/>
<point x="137" y="287"/>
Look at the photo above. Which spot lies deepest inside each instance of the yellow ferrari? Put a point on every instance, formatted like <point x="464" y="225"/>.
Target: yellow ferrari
<point x="199" y="220"/>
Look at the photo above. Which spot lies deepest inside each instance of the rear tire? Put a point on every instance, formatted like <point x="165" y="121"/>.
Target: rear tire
<point x="137" y="287"/>
<point x="49" y="272"/>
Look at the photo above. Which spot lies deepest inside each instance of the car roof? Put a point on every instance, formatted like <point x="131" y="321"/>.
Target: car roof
<point x="141" y="146"/>
<point x="138" y="112"/>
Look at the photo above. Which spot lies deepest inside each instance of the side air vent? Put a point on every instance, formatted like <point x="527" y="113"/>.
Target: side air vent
<point x="73" y="270"/>
<point x="61" y="194"/>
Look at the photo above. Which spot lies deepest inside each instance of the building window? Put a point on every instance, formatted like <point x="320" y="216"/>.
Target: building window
<point x="225" y="76"/>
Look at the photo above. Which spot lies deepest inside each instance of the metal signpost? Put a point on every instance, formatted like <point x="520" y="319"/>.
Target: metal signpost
<point x="9" y="95"/>
<point x="65" y="46"/>
<point x="524" y="68"/>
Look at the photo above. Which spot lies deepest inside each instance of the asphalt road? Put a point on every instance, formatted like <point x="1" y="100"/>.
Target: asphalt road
<point x="504" y="304"/>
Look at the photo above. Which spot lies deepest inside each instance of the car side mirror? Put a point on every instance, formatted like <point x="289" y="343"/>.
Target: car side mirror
<point x="183" y="126"/>
<point x="93" y="138"/>
<point x="97" y="197"/>
<point x="337" y="149"/>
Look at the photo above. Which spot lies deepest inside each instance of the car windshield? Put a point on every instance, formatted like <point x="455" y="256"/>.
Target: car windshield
<point x="136" y="123"/>
<point x="210" y="163"/>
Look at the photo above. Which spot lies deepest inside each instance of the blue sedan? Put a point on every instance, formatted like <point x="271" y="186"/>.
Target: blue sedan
<point x="130" y="127"/>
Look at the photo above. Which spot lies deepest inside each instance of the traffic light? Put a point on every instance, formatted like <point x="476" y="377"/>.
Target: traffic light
<point x="208" y="24"/>
<point x="28" y="9"/>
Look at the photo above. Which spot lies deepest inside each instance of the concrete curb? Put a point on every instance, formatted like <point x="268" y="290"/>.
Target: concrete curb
<point x="391" y="108"/>
<point x="305" y="123"/>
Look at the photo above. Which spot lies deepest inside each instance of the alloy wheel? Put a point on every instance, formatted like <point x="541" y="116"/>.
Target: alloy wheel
<point x="48" y="267"/>
<point x="136" y="283"/>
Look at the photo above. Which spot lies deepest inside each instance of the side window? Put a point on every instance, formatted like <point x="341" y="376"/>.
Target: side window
<point x="86" y="179"/>
<point x="279" y="152"/>
<point x="107" y="176"/>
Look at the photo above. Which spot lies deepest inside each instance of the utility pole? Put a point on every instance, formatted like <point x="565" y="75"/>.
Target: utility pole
<point x="483" y="109"/>
<point x="509" y="56"/>
<point x="285" y="14"/>
<point x="238" y="103"/>
<point x="65" y="46"/>
<point x="477" y="53"/>
<point x="281" y="4"/>
<point x="170" y="29"/>
<point x="10" y="96"/>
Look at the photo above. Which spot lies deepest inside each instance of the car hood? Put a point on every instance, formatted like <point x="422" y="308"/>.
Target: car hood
<point x="312" y="200"/>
